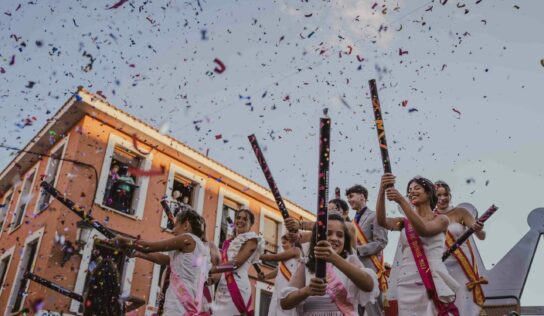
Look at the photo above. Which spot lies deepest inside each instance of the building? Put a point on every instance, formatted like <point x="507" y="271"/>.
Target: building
<point x="40" y="235"/>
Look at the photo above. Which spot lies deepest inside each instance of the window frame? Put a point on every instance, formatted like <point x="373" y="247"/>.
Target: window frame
<point x="224" y="193"/>
<point x="7" y="210"/>
<point x="128" y="271"/>
<point x="266" y="212"/>
<point x="54" y="149"/>
<point x="9" y="253"/>
<point x="261" y="286"/>
<point x="37" y="235"/>
<point x="200" y="188"/>
<point x="34" y="169"/>
<point x="114" y="141"/>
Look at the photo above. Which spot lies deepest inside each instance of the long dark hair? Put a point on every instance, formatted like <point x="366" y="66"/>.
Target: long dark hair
<point x="187" y="214"/>
<point x="103" y="291"/>
<point x="427" y="186"/>
<point x="310" y="264"/>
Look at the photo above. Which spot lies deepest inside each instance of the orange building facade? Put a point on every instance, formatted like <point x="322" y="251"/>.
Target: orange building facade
<point x="84" y="150"/>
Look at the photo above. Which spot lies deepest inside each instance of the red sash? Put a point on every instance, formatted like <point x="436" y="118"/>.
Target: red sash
<point x="470" y="269"/>
<point x="236" y="295"/>
<point x="418" y="251"/>
<point x="378" y="263"/>
<point x="284" y="270"/>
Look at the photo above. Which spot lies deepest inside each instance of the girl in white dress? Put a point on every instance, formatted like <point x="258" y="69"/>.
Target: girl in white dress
<point x="469" y="296"/>
<point x="288" y="261"/>
<point x="233" y="294"/>
<point x="347" y="284"/>
<point x="189" y="261"/>
<point x="408" y="285"/>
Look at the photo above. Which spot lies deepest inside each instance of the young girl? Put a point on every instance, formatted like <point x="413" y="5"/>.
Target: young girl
<point x="233" y="295"/>
<point x="462" y="264"/>
<point x="189" y="261"/>
<point x="347" y="284"/>
<point x="424" y="288"/>
<point x="288" y="261"/>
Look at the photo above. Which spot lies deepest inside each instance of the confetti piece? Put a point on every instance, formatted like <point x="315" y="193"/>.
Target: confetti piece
<point x="404" y="103"/>
<point x="117" y="5"/>
<point x="2" y="70"/>
<point x="456" y="111"/>
<point x="412" y="110"/>
<point x="360" y="58"/>
<point x="402" y="52"/>
<point x="12" y="61"/>
<point x="218" y="136"/>
<point x="220" y="66"/>
<point x="350" y="49"/>
<point x="542" y="62"/>
<point x="308" y="15"/>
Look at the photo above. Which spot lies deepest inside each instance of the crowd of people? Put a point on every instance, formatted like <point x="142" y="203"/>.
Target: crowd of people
<point x="204" y="280"/>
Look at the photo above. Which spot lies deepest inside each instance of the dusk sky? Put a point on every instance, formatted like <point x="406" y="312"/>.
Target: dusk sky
<point x="461" y="87"/>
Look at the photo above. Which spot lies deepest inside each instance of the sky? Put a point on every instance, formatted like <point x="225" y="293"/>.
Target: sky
<point x="460" y="85"/>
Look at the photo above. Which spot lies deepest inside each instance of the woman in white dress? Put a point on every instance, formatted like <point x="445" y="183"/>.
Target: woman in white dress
<point x="189" y="261"/>
<point x="469" y="296"/>
<point x="288" y="261"/>
<point x="233" y="294"/>
<point x="422" y="237"/>
<point x="347" y="284"/>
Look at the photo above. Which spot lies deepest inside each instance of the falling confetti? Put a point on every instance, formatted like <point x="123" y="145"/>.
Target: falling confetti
<point x="220" y="66"/>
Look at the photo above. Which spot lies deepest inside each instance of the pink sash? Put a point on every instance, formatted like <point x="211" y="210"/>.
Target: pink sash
<point x="236" y="295"/>
<point x="418" y="251"/>
<point x="338" y="293"/>
<point x="192" y="306"/>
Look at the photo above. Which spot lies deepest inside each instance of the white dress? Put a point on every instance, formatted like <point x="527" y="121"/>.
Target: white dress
<point x="279" y="283"/>
<point x="405" y="284"/>
<point x="464" y="297"/>
<point x="191" y="268"/>
<point x="324" y="305"/>
<point x="223" y="304"/>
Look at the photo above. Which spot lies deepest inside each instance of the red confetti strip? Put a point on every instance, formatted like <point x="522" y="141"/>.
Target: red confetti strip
<point x="118" y="4"/>
<point x="135" y="142"/>
<point x="220" y="66"/>
<point x="146" y="173"/>
<point x="350" y="49"/>
<point x="404" y="103"/>
<point x="456" y="111"/>
<point x="218" y="136"/>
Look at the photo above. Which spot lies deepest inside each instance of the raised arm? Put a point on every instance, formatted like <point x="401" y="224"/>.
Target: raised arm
<point x="282" y="256"/>
<point x="183" y="243"/>
<point x="425" y="229"/>
<point x="386" y="222"/>
<point x="469" y="221"/>
<point x="158" y="258"/>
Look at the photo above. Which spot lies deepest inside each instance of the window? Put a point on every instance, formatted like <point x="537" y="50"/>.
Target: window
<point x="122" y="187"/>
<point x="154" y="293"/>
<point x="271" y="235"/>
<point x="270" y="225"/>
<point x="4" y="209"/>
<point x="228" y="214"/>
<point x="263" y="297"/>
<point x="228" y="204"/>
<point x="27" y="262"/>
<point x="51" y="175"/>
<point x="24" y="198"/>
<point x="5" y="260"/>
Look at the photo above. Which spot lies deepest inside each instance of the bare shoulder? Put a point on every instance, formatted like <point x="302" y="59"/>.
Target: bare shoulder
<point x="443" y="220"/>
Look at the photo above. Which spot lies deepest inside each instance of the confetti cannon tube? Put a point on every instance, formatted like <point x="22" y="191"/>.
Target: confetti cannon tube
<point x="323" y="188"/>
<point x="77" y="210"/>
<point x="490" y="211"/>
<point x="268" y="175"/>
<point x="53" y="286"/>
<point x="379" y="126"/>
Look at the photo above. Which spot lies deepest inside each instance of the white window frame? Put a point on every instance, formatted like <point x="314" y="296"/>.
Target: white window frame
<point x="258" y="287"/>
<point x="126" y="278"/>
<point x="16" y="209"/>
<point x="276" y="217"/>
<point x="63" y="142"/>
<point x="20" y="267"/>
<point x="151" y="309"/>
<point x="199" y="193"/>
<point x="224" y="193"/>
<point x="113" y="141"/>
<point x="7" y="208"/>
<point x="8" y="253"/>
